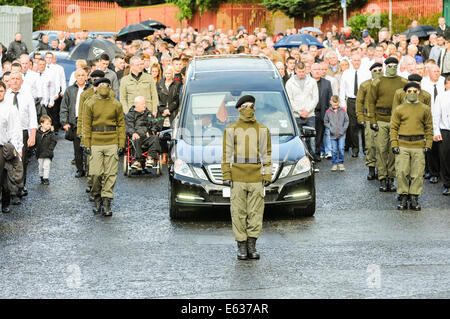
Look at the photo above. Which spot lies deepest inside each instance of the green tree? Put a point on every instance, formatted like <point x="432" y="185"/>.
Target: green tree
<point x="189" y="7"/>
<point x="41" y="10"/>
<point x="307" y="9"/>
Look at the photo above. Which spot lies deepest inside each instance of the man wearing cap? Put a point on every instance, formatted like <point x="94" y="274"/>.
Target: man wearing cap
<point x="363" y="116"/>
<point x="400" y="94"/>
<point x="411" y="137"/>
<point x="104" y="139"/>
<point x="380" y="101"/>
<point x="247" y="169"/>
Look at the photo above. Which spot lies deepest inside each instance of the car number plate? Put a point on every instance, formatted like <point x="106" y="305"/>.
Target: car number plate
<point x="226" y="192"/>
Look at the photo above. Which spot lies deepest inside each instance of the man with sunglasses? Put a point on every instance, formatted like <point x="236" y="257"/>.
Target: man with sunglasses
<point x="411" y="137"/>
<point x="363" y="116"/>
<point x="380" y="101"/>
<point x="400" y="94"/>
<point x="104" y="138"/>
<point x="247" y="169"/>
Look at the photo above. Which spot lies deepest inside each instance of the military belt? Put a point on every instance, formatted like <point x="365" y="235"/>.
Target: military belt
<point x="383" y="110"/>
<point x="247" y="160"/>
<point x="411" y="138"/>
<point x="103" y="128"/>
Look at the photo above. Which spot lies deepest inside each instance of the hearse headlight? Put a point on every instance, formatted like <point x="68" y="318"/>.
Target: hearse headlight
<point x="181" y="168"/>
<point x="302" y="166"/>
<point x="200" y="173"/>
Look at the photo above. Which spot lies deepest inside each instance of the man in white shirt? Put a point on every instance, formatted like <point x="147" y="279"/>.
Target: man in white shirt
<point x="30" y="78"/>
<point x="441" y="127"/>
<point x="408" y="66"/>
<point x="350" y="81"/>
<point x="434" y="84"/>
<point x="21" y="98"/>
<point x="69" y="115"/>
<point x="10" y="132"/>
<point x="60" y="83"/>
<point x="303" y="94"/>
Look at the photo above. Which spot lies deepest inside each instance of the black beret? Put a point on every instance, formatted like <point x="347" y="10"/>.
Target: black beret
<point x="414" y="77"/>
<point x="411" y="84"/>
<point x="391" y="60"/>
<point x="102" y="80"/>
<point x="97" y="74"/>
<point x="245" y="99"/>
<point x="376" y="65"/>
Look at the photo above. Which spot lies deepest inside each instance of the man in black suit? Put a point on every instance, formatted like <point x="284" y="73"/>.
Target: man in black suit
<point x="325" y="93"/>
<point x="442" y="28"/>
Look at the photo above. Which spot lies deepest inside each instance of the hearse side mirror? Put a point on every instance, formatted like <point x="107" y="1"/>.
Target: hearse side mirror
<point x="308" y="131"/>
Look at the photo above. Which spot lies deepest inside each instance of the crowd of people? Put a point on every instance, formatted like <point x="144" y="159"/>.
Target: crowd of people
<point x="346" y="88"/>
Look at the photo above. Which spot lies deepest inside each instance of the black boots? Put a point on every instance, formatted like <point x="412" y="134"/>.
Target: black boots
<point x="414" y="203"/>
<point x="98" y="205"/>
<point x="403" y="202"/>
<point x="107" y="207"/>
<point x="383" y="185"/>
<point x="251" y="248"/>
<point x="242" y="250"/>
<point x="390" y="185"/>
<point x="371" y="175"/>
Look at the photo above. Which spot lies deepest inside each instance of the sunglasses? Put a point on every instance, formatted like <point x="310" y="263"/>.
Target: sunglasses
<point x="102" y="85"/>
<point x="377" y="70"/>
<point x="412" y="91"/>
<point x="391" y="65"/>
<point x="246" y="105"/>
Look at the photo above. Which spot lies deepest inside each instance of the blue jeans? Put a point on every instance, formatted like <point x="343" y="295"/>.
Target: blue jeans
<point x="311" y="141"/>
<point x="325" y="148"/>
<point x="337" y="150"/>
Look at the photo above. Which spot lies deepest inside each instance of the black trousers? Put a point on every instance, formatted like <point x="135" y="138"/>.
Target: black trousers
<point x="352" y="135"/>
<point x="27" y="152"/>
<point x="6" y="196"/>
<point x="320" y="133"/>
<point x="147" y="143"/>
<point x="433" y="160"/>
<point x="444" y="152"/>
<point x="53" y="112"/>
<point x="78" y="151"/>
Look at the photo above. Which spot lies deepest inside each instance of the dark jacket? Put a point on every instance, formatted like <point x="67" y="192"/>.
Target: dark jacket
<point x="67" y="114"/>
<point x="43" y="46"/>
<point x="168" y="99"/>
<point x="140" y="123"/>
<point x="445" y="33"/>
<point x="325" y="94"/>
<point x="17" y="48"/>
<point x="45" y="143"/>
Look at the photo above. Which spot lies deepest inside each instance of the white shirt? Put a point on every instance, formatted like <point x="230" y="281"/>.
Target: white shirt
<point x="404" y="74"/>
<point x="72" y="79"/>
<point x="334" y="84"/>
<point x="60" y="77"/>
<point x="27" y="108"/>
<point x="428" y="86"/>
<point x="31" y="79"/>
<point x="10" y="129"/>
<point x="77" y="103"/>
<point x="47" y="87"/>
<point x="305" y="98"/>
<point x="348" y="83"/>
<point x="441" y="113"/>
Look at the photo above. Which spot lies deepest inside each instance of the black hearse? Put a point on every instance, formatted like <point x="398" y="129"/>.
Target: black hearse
<point x="213" y="86"/>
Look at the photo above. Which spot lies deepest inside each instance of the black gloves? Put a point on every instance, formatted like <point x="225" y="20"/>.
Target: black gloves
<point x="396" y="150"/>
<point x="266" y="183"/>
<point x="87" y="150"/>
<point x="361" y="124"/>
<point x="426" y="150"/>
<point x="226" y="182"/>
<point x="120" y="151"/>
<point x="374" y="127"/>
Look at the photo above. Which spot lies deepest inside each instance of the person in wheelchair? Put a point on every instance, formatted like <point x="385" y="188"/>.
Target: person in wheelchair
<point x="141" y="128"/>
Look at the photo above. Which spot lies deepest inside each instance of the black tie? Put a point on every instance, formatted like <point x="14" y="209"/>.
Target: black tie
<point x="355" y="88"/>
<point x="16" y="101"/>
<point x="435" y="92"/>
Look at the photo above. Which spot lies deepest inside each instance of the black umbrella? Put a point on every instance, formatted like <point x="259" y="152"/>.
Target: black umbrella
<point x="135" y="31"/>
<point x="93" y="48"/>
<point x="154" y="24"/>
<point x="422" y="31"/>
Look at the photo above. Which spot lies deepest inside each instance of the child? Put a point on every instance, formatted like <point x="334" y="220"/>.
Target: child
<point x="336" y="120"/>
<point x="45" y="144"/>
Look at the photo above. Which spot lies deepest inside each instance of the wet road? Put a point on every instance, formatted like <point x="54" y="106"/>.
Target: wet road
<point x="356" y="246"/>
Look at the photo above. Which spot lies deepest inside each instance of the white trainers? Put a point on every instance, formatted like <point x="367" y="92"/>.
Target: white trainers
<point x="136" y="165"/>
<point x="334" y="168"/>
<point x="341" y="167"/>
<point x="149" y="163"/>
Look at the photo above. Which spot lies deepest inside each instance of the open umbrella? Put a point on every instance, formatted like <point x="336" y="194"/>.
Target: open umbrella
<point x="293" y="41"/>
<point x="422" y="31"/>
<point x="154" y="24"/>
<point x="311" y="29"/>
<point x="135" y="31"/>
<point x="93" y="48"/>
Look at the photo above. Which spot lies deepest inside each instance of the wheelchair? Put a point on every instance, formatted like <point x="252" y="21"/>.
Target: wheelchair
<point x="129" y="158"/>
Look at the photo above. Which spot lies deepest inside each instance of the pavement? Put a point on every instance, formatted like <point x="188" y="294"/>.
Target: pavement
<point x="357" y="245"/>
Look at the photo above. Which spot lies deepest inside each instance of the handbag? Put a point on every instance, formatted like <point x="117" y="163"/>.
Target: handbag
<point x="70" y="134"/>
